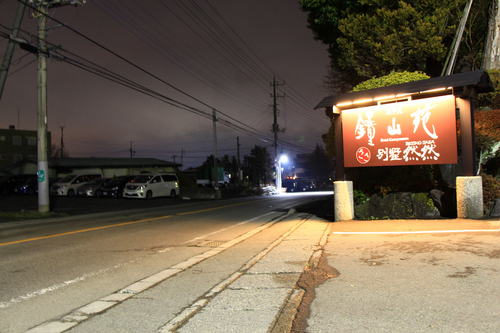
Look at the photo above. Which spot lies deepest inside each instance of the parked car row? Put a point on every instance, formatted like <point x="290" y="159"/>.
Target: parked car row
<point x="144" y="186"/>
<point x="9" y="183"/>
<point x="298" y="185"/>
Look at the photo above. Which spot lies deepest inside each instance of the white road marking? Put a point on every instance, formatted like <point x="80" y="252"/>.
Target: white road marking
<point x="84" y="277"/>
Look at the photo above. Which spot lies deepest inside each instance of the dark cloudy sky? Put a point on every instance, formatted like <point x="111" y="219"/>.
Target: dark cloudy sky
<point x="204" y="54"/>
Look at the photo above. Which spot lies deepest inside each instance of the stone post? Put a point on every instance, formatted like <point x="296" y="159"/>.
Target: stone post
<point x="343" y="200"/>
<point x="469" y="197"/>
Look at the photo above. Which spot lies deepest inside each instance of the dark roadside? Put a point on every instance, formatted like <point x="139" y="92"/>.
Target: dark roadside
<point x="25" y="207"/>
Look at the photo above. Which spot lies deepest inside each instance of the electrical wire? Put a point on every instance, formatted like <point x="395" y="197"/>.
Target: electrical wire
<point x="150" y="92"/>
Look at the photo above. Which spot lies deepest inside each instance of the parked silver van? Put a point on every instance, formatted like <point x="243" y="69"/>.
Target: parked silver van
<point x="148" y="186"/>
<point x="68" y="185"/>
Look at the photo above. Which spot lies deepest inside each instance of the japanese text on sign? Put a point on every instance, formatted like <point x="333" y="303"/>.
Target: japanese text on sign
<point x="405" y="133"/>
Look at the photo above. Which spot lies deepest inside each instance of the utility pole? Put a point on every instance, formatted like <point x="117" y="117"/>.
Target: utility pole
<point x="183" y="152"/>
<point x="238" y="154"/>
<point x="174" y="156"/>
<point x="41" y="8"/>
<point x="62" y="141"/>
<point x="216" y="167"/>
<point x="4" y="69"/>
<point x="452" y="55"/>
<point x="132" y="152"/>
<point x="43" y="165"/>
<point x="276" y="130"/>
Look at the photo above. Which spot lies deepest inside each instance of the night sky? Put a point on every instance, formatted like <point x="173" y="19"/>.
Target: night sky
<point x="205" y="54"/>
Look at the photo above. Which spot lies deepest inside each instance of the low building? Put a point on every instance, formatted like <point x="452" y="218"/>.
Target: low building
<point x="108" y="167"/>
<point x="16" y="145"/>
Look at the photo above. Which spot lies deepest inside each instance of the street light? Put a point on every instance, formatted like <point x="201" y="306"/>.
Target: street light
<point x="282" y="159"/>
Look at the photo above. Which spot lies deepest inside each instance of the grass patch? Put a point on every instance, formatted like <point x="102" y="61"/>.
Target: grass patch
<point x="26" y="215"/>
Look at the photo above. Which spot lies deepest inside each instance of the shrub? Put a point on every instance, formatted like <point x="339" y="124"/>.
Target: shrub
<point x="491" y="191"/>
<point x="359" y="197"/>
<point x="390" y="80"/>
<point x="383" y="180"/>
<point x="490" y="101"/>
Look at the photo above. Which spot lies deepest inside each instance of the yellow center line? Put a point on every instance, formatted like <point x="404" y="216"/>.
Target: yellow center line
<point x="117" y="225"/>
<point x="83" y="230"/>
<point x="209" y="209"/>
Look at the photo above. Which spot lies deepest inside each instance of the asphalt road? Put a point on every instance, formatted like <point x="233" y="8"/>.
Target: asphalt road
<point x="50" y="267"/>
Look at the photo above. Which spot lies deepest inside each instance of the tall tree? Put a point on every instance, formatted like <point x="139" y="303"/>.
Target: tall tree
<point x="371" y="38"/>
<point x="319" y="165"/>
<point x="55" y="152"/>
<point x="258" y="165"/>
<point x="491" y="58"/>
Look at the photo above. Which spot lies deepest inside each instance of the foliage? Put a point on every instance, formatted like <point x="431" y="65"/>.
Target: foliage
<point x="329" y="140"/>
<point x="471" y="49"/>
<point x="487" y="138"/>
<point x="55" y="152"/>
<point x="383" y="180"/>
<point x="359" y="197"/>
<point x="257" y="166"/>
<point x="319" y="165"/>
<point x="391" y="79"/>
<point x="490" y="101"/>
<point x="394" y="35"/>
<point x="491" y="191"/>
<point x="229" y="164"/>
<point x="370" y="38"/>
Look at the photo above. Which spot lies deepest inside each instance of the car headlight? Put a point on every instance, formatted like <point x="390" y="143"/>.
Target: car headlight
<point x="63" y="186"/>
<point x="114" y="188"/>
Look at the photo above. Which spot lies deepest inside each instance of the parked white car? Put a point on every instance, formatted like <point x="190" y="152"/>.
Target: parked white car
<point x="69" y="184"/>
<point x="148" y="186"/>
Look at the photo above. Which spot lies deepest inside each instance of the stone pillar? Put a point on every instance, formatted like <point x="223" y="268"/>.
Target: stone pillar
<point x="343" y="200"/>
<point x="469" y="197"/>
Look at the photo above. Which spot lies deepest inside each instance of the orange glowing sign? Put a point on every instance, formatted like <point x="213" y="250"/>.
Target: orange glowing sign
<point x="406" y="133"/>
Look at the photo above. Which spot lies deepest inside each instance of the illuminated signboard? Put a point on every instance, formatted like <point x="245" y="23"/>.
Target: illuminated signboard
<point x="406" y="133"/>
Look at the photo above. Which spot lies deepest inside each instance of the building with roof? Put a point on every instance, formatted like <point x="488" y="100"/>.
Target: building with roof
<point x="108" y="167"/>
<point x="16" y="145"/>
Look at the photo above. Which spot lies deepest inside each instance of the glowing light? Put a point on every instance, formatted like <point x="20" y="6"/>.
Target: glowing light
<point x="433" y="90"/>
<point x="383" y="97"/>
<point x="344" y="104"/>
<point x="363" y="101"/>
<point x="404" y="94"/>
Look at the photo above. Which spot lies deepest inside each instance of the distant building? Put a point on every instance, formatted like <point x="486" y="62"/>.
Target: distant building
<point x="108" y="167"/>
<point x="16" y="145"/>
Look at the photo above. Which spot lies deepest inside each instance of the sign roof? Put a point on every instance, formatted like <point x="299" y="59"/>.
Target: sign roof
<point x="478" y="81"/>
